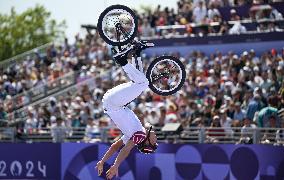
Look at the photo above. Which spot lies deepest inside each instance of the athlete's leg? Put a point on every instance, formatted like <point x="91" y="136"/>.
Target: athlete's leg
<point x="122" y="94"/>
<point x="134" y="74"/>
<point x="126" y="120"/>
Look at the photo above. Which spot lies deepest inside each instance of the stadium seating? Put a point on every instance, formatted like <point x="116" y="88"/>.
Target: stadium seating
<point x="69" y="80"/>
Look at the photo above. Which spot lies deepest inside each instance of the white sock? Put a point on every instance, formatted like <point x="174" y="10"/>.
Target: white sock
<point x="137" y="63"/>
<point x="139" y="59"/>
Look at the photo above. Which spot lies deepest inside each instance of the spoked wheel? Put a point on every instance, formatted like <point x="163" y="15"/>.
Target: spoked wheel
<point x="117" y="25"/>
<point x="166" y="75"/>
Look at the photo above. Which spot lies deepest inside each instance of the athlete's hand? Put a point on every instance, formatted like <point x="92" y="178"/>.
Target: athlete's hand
<point x="113" y="171"/>
<point x="100" y="167"/>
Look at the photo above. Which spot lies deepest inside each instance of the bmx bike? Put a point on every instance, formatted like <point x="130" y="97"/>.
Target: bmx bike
<point x="118" y="26"/>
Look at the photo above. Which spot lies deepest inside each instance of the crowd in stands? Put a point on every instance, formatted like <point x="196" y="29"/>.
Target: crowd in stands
<point x="224" y="90"/>
<point x="38" y="70"/>
<point x="201" y="13"/>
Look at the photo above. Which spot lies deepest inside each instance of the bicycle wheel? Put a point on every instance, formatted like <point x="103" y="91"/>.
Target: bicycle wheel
<point x="117" y="25"/>
<point x="166" y="75"/>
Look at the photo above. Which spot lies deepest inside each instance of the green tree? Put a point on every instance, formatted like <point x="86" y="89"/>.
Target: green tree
<point x="25" y="31"/>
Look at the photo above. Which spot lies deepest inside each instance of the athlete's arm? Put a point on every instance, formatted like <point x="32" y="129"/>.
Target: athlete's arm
<point x="113" y="148"/>
<point x="124" y="152"/>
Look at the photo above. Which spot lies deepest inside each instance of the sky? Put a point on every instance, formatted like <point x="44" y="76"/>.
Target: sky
<point x="77" y="12"/>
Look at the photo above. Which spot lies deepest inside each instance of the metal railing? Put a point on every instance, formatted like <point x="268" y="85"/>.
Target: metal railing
<point x="188" y="135"/>
<point x="68" y="134"/>
<point x="234" y="135"/>
<point x="21" y="57"/>
<point x="182" y="32"/>
<point x="7" y="134"/>
<point x="20" y="115"/>
<point x="36" y="93"/>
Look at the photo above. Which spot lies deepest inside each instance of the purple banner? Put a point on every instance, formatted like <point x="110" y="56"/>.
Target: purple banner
<point x="179" y="162"/>
<point x="171" y="162"/>
<point x="218" y="40"/>
<point x="260" y="42"/>
<point x="30" y="161"/>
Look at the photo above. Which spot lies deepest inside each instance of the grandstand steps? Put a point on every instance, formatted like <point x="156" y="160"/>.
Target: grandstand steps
<point x="20" y="114"/>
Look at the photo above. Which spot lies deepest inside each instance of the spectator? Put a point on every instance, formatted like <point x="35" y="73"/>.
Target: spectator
<point x="268" y="115"/>
<point x="231" y="110"/>
<point x="59" y="131"/>
<point x="213" y="12"/>
<point x="253" y="106"/>
<point x="226" y="122"/>
<point x="171" y="114"/>
<point x="92" y="131"/>
<point x="85" y="114"/>
<point x="198" y="122"/>
<point x="215" y="133"/>
<point x="52" y="104"/>
<point x="237" y="28"/>
<point x="199" y="12"/>
<point x="3" y="114"/>
<point x="146" y="29"/>
<point x="269" y="134"/>
<point x="275" y="14"/>
<point x="224" y="29"/>
<point x="32" y="121"/>
<point x="241" y="2"/>
<point x="247" y="132"/>
<point x="217" y="3"/>
<point x="234" y="15"/>
<point x="162" y="117"/>
<point x="3" y="92"/>
<point x="239" y="113"/>
<point x="208" y="114"/>
<point x="266" y="81"/>
<point x="153" y="118"/>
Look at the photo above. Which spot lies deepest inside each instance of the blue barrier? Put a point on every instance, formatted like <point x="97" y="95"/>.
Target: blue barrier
<point x="30" y="161"/>
<point x="260" y="42"/>
<point x="201" y="161"/>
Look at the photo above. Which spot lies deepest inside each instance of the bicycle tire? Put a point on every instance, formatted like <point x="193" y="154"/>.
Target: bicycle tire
<point x="100" y="25"/>
<point x="151" y="66"/>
